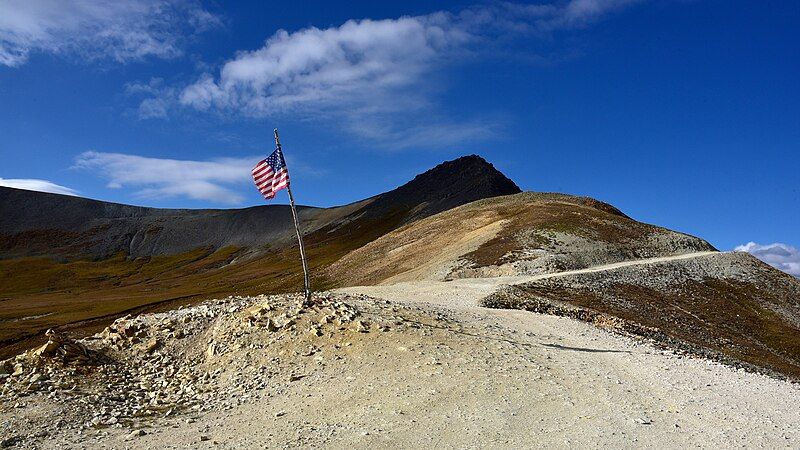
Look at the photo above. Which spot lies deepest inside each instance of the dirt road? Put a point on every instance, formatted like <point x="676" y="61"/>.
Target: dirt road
<point x="462" y="376"/>
<point x="616" y="392"/>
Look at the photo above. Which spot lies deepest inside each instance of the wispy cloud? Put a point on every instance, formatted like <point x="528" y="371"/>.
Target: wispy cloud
<point x="33" y="184"/>
<point x="781" y="256"/>
<point x="374" y="78"/>
<point x="122" y="30"/>
<point x="158" y="98"/>
<point x="556" y="16"/>
<point x="152" y="108"/>
<point x="218" y="180"/>
<point x="392" y="132"/>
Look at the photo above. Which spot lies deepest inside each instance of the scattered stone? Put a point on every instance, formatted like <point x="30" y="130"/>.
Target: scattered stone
<point x="362" y="326"/>
<point x="10" y="442"/>
<point x="47" y="349"/>
<point x="136" y="433"/>
<point x="270" y="325"/>
<point x="282" y="322"/>
<point x="106" y="380"/>
<point x="212" y="350"/>
<point x="152" y="345"/>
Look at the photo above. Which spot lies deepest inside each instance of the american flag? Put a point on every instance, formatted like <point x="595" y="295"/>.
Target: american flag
<point x="271" y="175"/>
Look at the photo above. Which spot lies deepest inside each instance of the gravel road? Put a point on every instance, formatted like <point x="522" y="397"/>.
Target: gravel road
<point x="615" y="391"/>
<point x="444" y="372"/>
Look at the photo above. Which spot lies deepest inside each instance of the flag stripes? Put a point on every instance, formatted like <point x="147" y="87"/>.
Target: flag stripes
<point x="271" y="175"/>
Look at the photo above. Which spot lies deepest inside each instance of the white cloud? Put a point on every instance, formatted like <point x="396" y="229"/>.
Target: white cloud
<point x="374" y="77"/>
<point x="159" y="99"/>
<point x="123" y="30"/>
<point x="781" y="256"/>
<point x="33" y="184"/>
<point x="353" y="66"/>
<point x="157" y="178"/>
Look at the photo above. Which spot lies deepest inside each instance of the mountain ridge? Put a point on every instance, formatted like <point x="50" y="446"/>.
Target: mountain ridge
<point x="83" y="227"/>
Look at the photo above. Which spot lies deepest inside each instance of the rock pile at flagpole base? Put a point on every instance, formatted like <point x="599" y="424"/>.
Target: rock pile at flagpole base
<point x="149" y="366"/>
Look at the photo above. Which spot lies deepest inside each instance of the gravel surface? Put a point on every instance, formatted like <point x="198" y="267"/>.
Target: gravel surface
<point x="407" y="365"/>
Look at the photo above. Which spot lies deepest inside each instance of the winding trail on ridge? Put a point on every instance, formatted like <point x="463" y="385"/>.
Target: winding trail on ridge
<point x="472" y="290"/>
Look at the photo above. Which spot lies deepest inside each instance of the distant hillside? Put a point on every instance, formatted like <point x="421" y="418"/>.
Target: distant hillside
<point x="43" y="224"/>
<point x="70" y="260"/>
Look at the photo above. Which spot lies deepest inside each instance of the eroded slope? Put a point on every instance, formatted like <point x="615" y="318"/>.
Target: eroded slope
<point x="526" y="233"/>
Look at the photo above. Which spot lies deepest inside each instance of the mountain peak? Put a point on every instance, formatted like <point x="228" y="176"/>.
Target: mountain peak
<point x="450" y="184"/>
<point x="470" y="172"/>
<point x="469" y="165"/>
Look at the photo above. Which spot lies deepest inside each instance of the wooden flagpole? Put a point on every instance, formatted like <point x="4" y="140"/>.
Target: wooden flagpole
<point x="306" y="282"/>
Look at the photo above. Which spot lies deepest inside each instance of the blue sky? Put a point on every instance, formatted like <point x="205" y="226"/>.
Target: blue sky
<point x="685" y="114"/>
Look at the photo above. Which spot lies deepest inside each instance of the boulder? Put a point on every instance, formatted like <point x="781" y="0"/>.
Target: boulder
<point x="152" y="345"/>
<point x="136" y="433"/>
<point x="48" y="349"/>
<point x="361" y="326"/>
<point x="6" y="366"/>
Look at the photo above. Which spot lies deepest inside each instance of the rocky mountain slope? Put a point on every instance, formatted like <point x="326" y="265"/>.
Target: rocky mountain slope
<point x="67" y="261"/>
<point x="43" y="224"/>
<point x="728" y="306"/>
<point x="526" y="233"/>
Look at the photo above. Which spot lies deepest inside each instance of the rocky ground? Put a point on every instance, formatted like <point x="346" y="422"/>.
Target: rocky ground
<point x="726" y="306"/>
<point x="408" y="365"/>
<point x="211" y="357"/>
